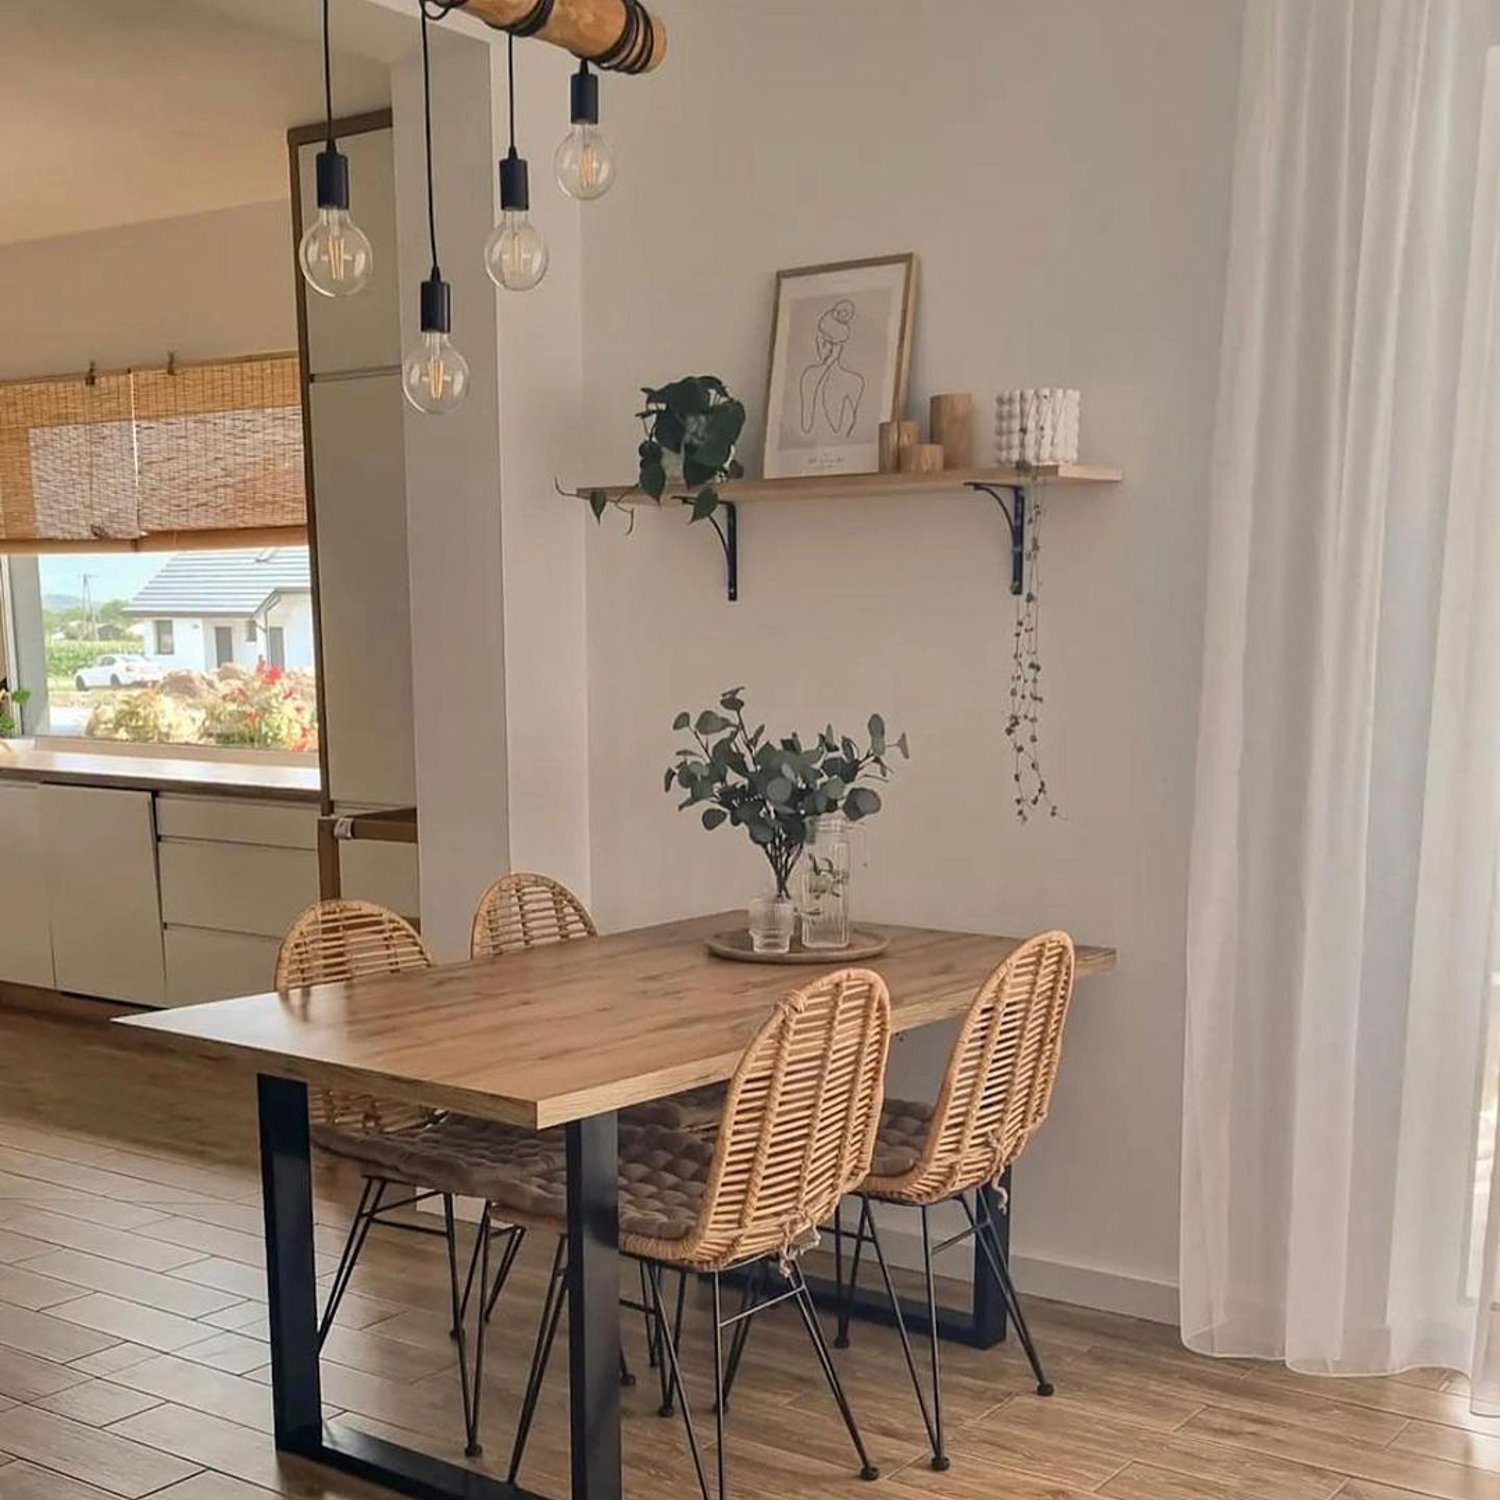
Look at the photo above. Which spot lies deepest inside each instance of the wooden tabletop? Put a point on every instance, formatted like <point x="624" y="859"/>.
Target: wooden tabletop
<point x="559" y="1033"/>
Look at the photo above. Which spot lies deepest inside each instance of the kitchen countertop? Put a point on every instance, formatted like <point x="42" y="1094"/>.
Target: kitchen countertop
<point x="20" y="761"/>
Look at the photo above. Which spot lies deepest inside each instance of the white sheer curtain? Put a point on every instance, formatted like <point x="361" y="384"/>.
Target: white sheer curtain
<point x="1347" y="800"/>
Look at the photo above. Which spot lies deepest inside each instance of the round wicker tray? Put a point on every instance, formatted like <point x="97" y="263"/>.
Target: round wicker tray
<point x="736" y="947"/>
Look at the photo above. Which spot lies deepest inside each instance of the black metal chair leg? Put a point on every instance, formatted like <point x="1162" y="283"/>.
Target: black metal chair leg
<point x="458" y="1326"/>
<point x="939" y="1447"/>
<point x="989" y="1243"/>
<point x="653" y="1350"/>
<point x="517" y="1237"/>
<point x="546" y="1331"/>
<point x="672" y="1372"/>
<point x="473" y="1447"/>
<point x="665" y="1409"/>
<point x="354" y="1241"/>
<point x="804" y="1302"/>
<point x="846" y="1300"/>
<point x="940" y="1460"/>
<point x="721" y="1458"/>
<point x="742" y="1327"/>
<point x="838" y="1265"/>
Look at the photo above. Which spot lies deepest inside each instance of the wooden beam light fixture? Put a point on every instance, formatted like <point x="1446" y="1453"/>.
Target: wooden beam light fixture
<point x="618" y="36"/>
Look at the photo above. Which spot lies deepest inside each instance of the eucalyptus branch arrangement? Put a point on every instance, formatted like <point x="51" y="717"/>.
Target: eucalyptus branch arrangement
<point x="696" y="422"/>
<point x="11" y="704"/>
<point x="772" y="788"/>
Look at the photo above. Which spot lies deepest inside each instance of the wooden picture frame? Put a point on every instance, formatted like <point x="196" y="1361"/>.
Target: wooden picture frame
<point x="840" y="356"/>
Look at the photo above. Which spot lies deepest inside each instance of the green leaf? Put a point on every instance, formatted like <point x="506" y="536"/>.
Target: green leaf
<point x="671" y="776"/>
<point x="901" y="746"/>
<point x="732" y="700"/>
<point x="695" y="471"/>
<point x="877" y="734"/>
<point x="670" y="432"/>
<point x="779" y="790"/>
<point x="705" y="503"/>
<point x="713" y="816"/>
<point x="653" y="478"/>
<point x="649" y="451"/>
<point x="682" y="721"/>
<point x="862" y="802"/>
<point x="686" y="397"/>
<point x="711" y="723"/>
<point x="598" y="501"/>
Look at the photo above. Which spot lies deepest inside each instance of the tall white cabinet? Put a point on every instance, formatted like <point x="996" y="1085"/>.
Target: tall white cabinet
<point x="25" y="914"/>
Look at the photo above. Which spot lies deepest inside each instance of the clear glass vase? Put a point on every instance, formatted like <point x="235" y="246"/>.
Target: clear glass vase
<point x="823" y="883"/>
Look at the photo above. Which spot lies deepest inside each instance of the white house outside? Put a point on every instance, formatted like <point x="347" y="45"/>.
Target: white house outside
<point x="205" y="610"/>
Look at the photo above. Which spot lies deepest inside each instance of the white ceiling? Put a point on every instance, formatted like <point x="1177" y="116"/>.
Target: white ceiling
<point x="117" y="111"/>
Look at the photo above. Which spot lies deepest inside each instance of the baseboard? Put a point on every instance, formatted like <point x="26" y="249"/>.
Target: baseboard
<point x="1058" y="1281"/>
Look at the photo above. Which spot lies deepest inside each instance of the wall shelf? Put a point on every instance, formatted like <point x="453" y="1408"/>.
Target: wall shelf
<point x="1006" y="483"/>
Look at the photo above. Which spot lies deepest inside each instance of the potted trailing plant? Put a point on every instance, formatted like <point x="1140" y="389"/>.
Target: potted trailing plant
<point x="774" y="788"/>
<point x="11" y="704"/>
<point x="690" y="428"/>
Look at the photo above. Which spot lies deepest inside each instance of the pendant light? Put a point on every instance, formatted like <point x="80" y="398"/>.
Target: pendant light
<point x="515" y="254"/>
<point x="334" y="254"/>
<point x="584" y="164"/>
<point x="434" y="376"/>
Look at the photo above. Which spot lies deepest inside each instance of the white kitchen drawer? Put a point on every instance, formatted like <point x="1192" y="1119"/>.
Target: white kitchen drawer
<point x="25" y="921"/>
<point x="99" y="847"/>
<point x="204" y="965"/>
<point x="237" y="821"/>
<point x="244" y="888"/>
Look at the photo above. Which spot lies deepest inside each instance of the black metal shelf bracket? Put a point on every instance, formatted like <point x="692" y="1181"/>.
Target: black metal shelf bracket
<point x="729" y="540"/>
<point x="1015" y="520"/>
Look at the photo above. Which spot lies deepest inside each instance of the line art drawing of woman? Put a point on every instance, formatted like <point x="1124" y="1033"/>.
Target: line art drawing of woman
<point x="830" y="389"/>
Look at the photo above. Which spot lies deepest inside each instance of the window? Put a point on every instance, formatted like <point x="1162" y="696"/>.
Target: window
<point x="251" y="632"/>
<point x="117" y="667"/>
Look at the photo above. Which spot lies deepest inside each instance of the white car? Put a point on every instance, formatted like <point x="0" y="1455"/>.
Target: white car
<point x="117" y="672"/>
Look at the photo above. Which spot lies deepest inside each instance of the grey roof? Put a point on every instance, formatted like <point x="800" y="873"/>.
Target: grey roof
<point x="223" y="583"/>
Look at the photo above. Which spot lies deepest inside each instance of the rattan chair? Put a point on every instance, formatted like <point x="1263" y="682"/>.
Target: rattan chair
<point x="994" y="1096"/>
<point x="394" y="1145"/>
<point x="798" y="1131"/>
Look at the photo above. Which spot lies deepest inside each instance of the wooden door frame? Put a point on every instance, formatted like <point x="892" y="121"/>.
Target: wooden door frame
<point x="296" y="138"/>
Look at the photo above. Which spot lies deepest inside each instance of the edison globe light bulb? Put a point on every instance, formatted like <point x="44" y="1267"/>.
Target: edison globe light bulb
<point x="515" y="254"/>
<point x="435" y="376"/>
<point x="335" y="254"/>
<point x="584" y="163"/>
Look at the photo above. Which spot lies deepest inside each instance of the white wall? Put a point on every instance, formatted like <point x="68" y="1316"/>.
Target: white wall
<point x="204" y="286"/>
<point x="1062" y="171"/>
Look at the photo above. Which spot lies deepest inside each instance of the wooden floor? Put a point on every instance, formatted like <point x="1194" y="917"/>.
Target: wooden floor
<point x="133" y="1354"/>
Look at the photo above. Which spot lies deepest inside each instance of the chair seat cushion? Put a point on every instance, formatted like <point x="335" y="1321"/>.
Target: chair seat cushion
<point x="694" y="1109"/>
<point x="456" y="1154"/>
<point x="902" y="1137"/>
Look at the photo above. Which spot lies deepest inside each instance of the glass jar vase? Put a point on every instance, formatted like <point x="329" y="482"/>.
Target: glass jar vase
<point x="823" y="883"/>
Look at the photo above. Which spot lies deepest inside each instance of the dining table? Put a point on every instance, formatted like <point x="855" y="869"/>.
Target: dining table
<point x="560" y="1036"/>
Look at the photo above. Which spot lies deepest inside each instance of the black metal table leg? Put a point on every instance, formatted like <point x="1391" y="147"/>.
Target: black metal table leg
<point x="594" y="1306"/>
<point x="291" y="1274"/>
<point x="989" y="1297"/>
<point x="292" y="1296"/>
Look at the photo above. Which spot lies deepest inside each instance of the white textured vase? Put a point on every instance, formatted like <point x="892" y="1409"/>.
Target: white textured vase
<point x="1037" y="427"/>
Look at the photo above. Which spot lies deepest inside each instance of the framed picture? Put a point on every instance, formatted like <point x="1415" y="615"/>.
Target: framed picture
<point x="840" y="348"/>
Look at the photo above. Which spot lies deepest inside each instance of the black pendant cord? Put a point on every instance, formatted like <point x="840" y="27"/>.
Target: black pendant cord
<point x="510" y="80"/>
<point x="632" y="49"/>
<point x="328" y="74"/>
<point x="427" y="137"/>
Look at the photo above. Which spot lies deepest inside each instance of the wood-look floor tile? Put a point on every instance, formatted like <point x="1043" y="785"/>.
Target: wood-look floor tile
<point x="99" y="1239"/>
<point x="1476" y="1449"/>
<point x="15" y="1247"/>
<point x="22" y="1287"/>
<point x="202" y="1388"/>
<point x="91" y="1455"/>
<point x="97" y="1402"/>
<point x="203" y="1438"/>
<point x="42" y="1333"/>
<point x="131" y="1321"/>
<point x="1411" y="1471"/>
<point x="225" y="1276"/>
<point x="210" y="1486"/>
<point x="24" y="1481"/>
<point x="228" y="1351"/>
<point x="107" y="1361"/>
<point x="150" y="1288"/>
<point x="24" y="1377"/>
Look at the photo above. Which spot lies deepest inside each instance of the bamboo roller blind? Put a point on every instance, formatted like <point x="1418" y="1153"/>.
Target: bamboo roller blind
<point x="178" y="456"/>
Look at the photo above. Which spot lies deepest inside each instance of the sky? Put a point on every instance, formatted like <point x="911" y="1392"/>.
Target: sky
<point x="112" y="575"/>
